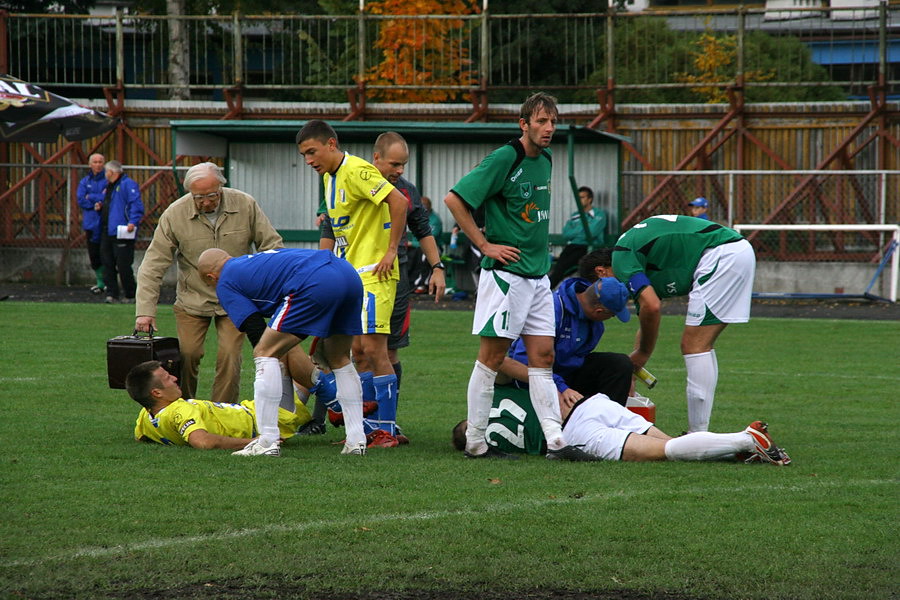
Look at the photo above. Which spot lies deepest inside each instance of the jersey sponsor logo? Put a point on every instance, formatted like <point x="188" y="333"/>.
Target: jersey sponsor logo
<point x="526" y="189"/>
<point x="671" y="288"/>
<point x="365" y="175"/>
<point x="533" y="214"/>
<point x="516" y="176"/>
<point x="374" y="191"/>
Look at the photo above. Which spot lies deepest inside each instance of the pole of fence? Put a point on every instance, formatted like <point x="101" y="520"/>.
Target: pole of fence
<point x="730" y="195"/>
<point x="238" y="50"/>
<point x="485" y="45"/>
<point x="361" y="44"/>
<point x="120" y="48"/>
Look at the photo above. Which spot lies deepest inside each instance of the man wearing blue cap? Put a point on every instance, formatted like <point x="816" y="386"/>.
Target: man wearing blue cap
<point x="698" y="208"/>
<point x="580" y="308"/>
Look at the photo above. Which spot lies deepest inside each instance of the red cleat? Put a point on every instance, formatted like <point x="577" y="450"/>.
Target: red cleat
<point x="381" y="439"/>
<point x="337" y="418"/>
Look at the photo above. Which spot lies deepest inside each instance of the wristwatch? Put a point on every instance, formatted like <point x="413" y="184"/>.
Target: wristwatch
<point x="438" y="265"/>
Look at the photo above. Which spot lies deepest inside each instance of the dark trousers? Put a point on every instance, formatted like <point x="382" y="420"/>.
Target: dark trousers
<point x="94" y="254"/>
<point x="568" y="258"/>
<point x="608" y="373"/>
<point x="118" y="256"/>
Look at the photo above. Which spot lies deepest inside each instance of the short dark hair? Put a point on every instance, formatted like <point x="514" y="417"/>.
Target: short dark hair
<point x="536" y="102"/>
<point x="601" y="257"/>
<point x="387" y="139"/>
<point x="316" y="130"/>
<point x="589" y="191"/>
<point x="141" y="380"/>
<point x="459" y="435"/>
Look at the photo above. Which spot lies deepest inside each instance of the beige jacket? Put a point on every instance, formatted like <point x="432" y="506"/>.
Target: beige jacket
<point x="184" y="233"/>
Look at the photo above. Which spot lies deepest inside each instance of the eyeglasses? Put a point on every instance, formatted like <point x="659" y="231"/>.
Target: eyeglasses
<point x="202" y="197"/>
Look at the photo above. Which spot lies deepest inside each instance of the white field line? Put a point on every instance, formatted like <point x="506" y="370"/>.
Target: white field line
<point x="727" y="370"/>
<point x="295" y="528"/>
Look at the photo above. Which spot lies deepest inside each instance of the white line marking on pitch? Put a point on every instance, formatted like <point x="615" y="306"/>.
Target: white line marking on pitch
<point x="153" y="544"/>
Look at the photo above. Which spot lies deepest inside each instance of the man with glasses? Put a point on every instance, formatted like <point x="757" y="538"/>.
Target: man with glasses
<point x="209" y="216"/>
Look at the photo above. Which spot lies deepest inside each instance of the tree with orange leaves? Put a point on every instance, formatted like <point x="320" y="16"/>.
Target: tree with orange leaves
<point x="422" y="52"/>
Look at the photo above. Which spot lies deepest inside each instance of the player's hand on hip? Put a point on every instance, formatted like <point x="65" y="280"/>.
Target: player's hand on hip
<point x="385" y="266"/>
<point x="502" y="254"/>
<point x="145" y="323"/>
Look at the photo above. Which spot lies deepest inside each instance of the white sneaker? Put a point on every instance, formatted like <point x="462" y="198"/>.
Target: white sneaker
<point x="357" y="449"/>
<point x="254" y="448"/>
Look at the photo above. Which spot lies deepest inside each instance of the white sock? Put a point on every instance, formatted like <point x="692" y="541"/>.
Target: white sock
<point x="349" y="395"/>
<point x="704" y="445"/>
<point x="479" y="396"/>
<point x="702" y="377"/>
<point x="545" y="400"/>
<point x="266" y="396"/>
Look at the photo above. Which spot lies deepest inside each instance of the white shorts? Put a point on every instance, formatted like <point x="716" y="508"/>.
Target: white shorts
<point x="723" y="285"/>
<point x="602" y="426"/>
<point x="509" y="306"/>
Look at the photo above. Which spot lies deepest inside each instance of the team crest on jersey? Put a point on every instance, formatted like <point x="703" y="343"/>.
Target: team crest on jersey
<point x="526" y="189"/>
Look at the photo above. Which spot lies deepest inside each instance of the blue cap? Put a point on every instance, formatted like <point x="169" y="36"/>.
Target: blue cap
<point x="614" y="296"/>
<point x="699" y="202"/>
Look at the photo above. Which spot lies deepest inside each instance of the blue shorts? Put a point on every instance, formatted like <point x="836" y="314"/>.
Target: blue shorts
<point x="327" y="302"/>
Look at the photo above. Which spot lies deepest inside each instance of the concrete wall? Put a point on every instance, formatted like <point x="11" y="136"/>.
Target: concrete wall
<point x="42" y="266"/>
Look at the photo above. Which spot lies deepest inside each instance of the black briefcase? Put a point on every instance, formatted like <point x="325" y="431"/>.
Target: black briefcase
<point x="125" y="352"/>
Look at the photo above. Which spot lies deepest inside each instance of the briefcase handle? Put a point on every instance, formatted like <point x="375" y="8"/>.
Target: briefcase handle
<point x="150" y="333"/>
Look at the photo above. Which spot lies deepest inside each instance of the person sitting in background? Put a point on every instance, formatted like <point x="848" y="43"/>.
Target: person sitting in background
<point x="419" y="267"/>
<point x="167" y="418"/>
<point x="697" y="208"/>
<point x="608" y="431"/>
<point x="576" y="241"/>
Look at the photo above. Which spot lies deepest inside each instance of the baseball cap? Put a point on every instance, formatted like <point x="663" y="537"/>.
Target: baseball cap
<point x="614" y="296"/>
<point x="699" y="202"/>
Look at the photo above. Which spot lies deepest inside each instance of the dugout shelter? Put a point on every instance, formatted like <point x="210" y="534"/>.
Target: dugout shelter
<point x="261" y="158"/>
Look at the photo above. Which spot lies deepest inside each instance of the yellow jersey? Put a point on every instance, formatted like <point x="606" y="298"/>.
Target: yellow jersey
<point x="175" y="423"/>
<point x="361" y="220"/>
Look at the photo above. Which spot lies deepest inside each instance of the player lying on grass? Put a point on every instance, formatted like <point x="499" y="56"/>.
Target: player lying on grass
<point x="609" y="431"/>
<point x="167" y="418"/>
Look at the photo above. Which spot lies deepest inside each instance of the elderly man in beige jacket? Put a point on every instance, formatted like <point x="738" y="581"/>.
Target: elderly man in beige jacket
<point x="209" y="216"/>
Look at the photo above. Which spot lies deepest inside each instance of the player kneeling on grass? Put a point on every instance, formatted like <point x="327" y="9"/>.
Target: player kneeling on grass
<point x="169" y="419"/>
<point x="305" y="292"/>
<point x="609" y="431"/>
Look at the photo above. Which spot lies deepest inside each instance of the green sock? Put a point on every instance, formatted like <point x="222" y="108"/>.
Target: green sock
<point x="99" y="272"/>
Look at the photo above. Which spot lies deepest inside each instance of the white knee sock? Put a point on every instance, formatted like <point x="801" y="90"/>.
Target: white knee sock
<point x="349" y="395"/>
<point x="702" y="377"/>
<point x="704" y="445"/>
<point x="480" y="396"/>
<point x="546" y="405"/>
<point x="266" y="396"/>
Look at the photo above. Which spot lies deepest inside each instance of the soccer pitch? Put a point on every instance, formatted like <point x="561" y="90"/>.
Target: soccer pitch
<point x="89" y="513"/>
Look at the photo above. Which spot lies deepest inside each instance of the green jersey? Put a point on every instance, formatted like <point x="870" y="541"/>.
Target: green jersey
<point x="515" y="191"/>
<point x="513" y="424"/>
<point x="663" y="251"/>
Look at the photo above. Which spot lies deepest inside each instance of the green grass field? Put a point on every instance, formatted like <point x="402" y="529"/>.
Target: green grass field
<point x="87" y="512"/>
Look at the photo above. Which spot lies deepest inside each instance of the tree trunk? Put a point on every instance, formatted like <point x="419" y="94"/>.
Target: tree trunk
<point x="179" y="52"/>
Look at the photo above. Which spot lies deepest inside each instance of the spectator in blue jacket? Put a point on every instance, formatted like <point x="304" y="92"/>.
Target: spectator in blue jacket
<point x="120" y="213"/>
<point x="580" y="307"/>
<point x="90" y="199"/>
<point x="576" y="241"/>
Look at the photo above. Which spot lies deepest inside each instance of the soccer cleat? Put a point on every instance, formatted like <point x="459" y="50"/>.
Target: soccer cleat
<point x="336" y="417"/>
<point x="381" y="439"/>
<point x="572" y="453"/>
<point x="402" y="439"/>
<point x="356" y="449"/>
<point x="254" y="448"/>
<point x="766" y="450"/>
<point x="312" y="428"/>
<point x="492" y="452"/>
<point x="96" y="289"/>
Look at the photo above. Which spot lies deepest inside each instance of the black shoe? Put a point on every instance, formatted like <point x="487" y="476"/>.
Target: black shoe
<point x="312" y="428"/>
<point x="572" y="453"/>
<point x="492" y="452"/>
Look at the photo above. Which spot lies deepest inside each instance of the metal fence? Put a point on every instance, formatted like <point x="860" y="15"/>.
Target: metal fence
<point x="788" y="54"/>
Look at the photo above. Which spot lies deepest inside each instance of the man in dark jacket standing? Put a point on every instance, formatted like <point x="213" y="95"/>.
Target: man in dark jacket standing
<point x="121" y="212"/>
